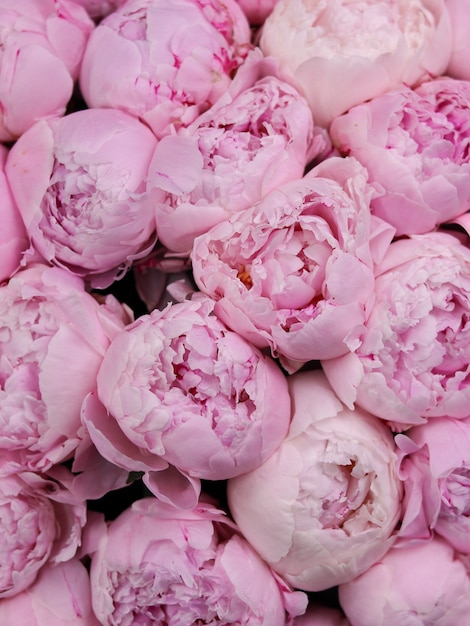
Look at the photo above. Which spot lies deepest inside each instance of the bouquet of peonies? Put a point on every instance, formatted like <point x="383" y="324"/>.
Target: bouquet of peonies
<point x="234" y="312"/>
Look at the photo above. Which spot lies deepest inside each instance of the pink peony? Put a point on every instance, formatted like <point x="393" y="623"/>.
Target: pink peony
<point x="344" y="52"/>
<point x="414" y="145"/>
<point x="13" y="238"/>
<point x="410" y="362"/>
<point x="295" y="272"/>
<point x="164" y="61"/>
<point x="80" y="185"/>
<point x="60" y="596"/>
<point x="163" y="566"/>
<point x="460" y="23"/>
<point x="41" y="45"/>
<point x="324" y="507"/>
<point x="435" y="470"/>
<point x="252" y="140"/>
<point x="40" y="522"/>
<point x="413" y="585"/>
<point x="185" y="389"/>
<point x="53" y="336"/>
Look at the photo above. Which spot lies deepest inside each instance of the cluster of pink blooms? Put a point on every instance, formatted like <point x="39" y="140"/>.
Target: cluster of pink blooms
<point x="235" y="312"/>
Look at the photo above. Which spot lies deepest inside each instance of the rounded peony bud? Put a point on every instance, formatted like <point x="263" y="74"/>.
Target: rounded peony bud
<point x="53" y="336"/>
<point x="169" y="567"/>
<point x="184" y="388"/>
<point x="60" y="596"/>
<point x="80" y="186"/>
<point x="40" y="521"/>
<point x="341" y="53"/>
<point x="435" y="469"/>
<point x="256" y="137"/>
<point x="325" y="506"/>
<point x="409" y="363"/>
<point x="295" y="271"/>
<point x="164" y="61"/>
<point x="414" y="146"/>
<point x="415" y="583"/>
<point x="41" y="46"/>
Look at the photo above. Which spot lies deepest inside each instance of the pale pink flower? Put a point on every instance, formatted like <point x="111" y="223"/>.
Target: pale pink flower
<point x="185" y="389"/>
<point x="414" y="144"/>
<point x="53" y="337"/>
<point x="60" y="596"/>
<point x="164" y="61"/>
<point x="341" y="52"/>
<point x="295" y="272"/>
<point x="410" y="362"/>
<point x="435" y="469"/>
<point x="257" y="10"/>
<point x="325" y="506"/>
<point x="80" y="185"/>
<point x="40" y="521"/>
<point x="317" y="615"/>
<point x="160" y="565"/>
<point x="41" y="47"/>
<point x="254" y="138"/>
<point x="412" y="585"/>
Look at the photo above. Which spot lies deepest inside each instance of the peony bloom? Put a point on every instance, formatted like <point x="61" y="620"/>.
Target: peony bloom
<point x="80" y="186"/>
<point x="435" y="470"/>
<point x="295" y="272"/>
<point x="412" y="585"/>
<point x="40" y="522"/>
<point x="53" y="336"/>
<point x="13" y="238"/>
<point x="460" y="22"/>
<point x="185" y="389"/>
<point x="164" y="61"/>
<point x="252" y="140"/>
<point x="160" y="565"/>
<point x="414" y="145"/>
<point x="410" y="362"/>
<point x="324" y="507"/>
<point x="343" y="52"/>
<point x="41" y="44"/>
<point x="60" y="596"/>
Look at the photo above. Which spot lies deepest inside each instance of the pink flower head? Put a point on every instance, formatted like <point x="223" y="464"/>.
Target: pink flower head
<point x="410" y="362"/>
<point x="414" y="145"/>
<point x="53" y="336"/>
<point x="80" y="185"/>
<point x="13" y="238"/>
<point x="164" y="61"/>
<point x="163" y="566"/>
<point x="343" y="52"/>
<point x="184" y="388"/>
<point x="435" y="470"/>
<point x="324" y="507"/>
<point x="460" y="21"/>
<point x="60" y="596"/>
<point x="252" y="140"/>
<point x="295" y="272"/>
<point x="413" y="584"/>
<point x="40" y="522"/>
<point x="41" y="45"/>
